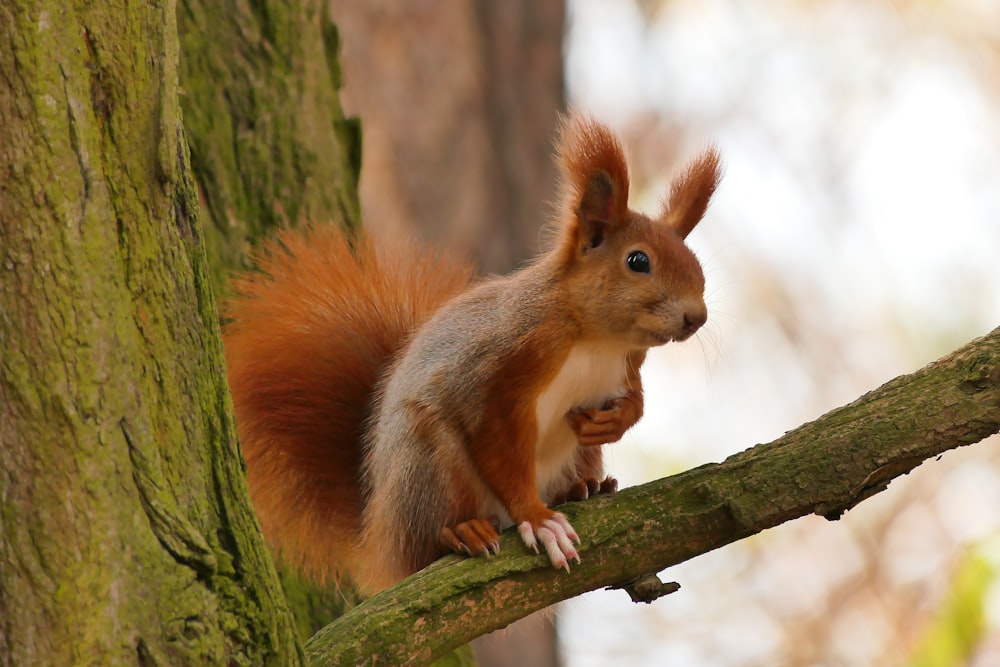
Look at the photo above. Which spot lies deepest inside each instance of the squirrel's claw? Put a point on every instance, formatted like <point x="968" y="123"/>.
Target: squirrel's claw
<point x="557" y="537"/>
<point x="585" y="488"/>
<point x="476" y="537"/>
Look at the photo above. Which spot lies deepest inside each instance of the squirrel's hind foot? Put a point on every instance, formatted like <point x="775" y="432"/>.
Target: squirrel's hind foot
<point x="585" y="488"/>
<point x="557" y="537"/>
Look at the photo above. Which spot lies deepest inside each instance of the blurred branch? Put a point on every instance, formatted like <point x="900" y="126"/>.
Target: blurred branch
<point x="824" y="467"/>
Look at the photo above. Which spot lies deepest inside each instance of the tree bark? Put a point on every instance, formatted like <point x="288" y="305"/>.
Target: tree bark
<point x="126" y="535"/>
<point x="270" y="145"/>
<point x="825" y="467"/>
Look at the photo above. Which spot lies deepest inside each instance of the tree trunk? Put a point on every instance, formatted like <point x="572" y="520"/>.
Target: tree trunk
<point x="459" y="101"/>
<point x="269" y="143"/>
<point x="270" y="147"/>
<point x="126" y="535"/>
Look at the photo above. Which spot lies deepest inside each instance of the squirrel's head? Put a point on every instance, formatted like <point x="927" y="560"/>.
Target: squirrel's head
<point x="629" y="272"/>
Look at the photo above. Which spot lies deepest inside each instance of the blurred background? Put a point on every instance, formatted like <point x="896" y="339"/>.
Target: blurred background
<point x="855" y="237"/>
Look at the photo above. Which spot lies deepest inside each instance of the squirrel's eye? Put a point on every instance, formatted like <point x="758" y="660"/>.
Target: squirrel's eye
<point x="637" y="261"/>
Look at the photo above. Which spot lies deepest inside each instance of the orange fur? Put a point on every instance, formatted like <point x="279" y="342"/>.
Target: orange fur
<point x="387" y="410"/>
<point x="586" y="148"/>
<point x="307" y="338"/>
<point x="594" y="180"/>
<point x="691" y="192"/>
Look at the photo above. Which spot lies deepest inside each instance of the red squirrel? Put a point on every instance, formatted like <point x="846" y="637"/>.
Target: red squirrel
<point x="390" y="409"/>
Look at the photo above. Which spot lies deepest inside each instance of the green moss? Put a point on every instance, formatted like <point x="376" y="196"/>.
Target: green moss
<point x="463" y="657"/>
<point x="313" y="606"/>
<point x="269" y="143"/>
<point x="136" y="521"/>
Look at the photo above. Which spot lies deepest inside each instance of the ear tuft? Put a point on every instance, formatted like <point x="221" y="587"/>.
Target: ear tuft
<point x="593" y="172"/>
<point x="691" y="192"/>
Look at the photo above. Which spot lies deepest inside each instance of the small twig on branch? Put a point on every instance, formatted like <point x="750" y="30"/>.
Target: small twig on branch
<point x="824" y="467"/>
<point x="648" y="588"/>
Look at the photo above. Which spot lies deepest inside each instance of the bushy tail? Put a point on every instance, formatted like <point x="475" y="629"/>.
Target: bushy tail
<point x="307" y="338"/>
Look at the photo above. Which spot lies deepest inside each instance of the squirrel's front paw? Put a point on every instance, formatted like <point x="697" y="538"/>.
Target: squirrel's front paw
<point x="557" y="537"/>
<point x="476" y="537"/>
<point x="607" y="424"/>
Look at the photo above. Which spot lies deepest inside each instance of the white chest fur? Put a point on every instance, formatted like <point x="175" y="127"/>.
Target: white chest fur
<point x="591" y="374"/>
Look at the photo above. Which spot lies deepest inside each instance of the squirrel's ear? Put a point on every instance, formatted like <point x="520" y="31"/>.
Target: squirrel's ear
<point x="594" y="178"/>
<point x="691" y="191"/>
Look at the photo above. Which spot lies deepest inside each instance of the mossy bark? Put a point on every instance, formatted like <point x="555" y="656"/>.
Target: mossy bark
<point x="824" y="467"/>
<point x="126" y="535"/>
<point x="270" y="145"/>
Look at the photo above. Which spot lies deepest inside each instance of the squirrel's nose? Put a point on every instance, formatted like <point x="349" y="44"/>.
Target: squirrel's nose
<point x="695" y="315"/>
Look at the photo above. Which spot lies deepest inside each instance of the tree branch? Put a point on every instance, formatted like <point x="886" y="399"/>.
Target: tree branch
<point x="824" y="467"/>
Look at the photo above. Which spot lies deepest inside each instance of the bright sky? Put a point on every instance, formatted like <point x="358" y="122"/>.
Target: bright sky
<point x="856" y="235"/>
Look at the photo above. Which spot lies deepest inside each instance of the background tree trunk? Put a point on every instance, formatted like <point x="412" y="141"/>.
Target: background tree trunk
<point x="459" y="102"/>
<point x="126" y="535"/>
